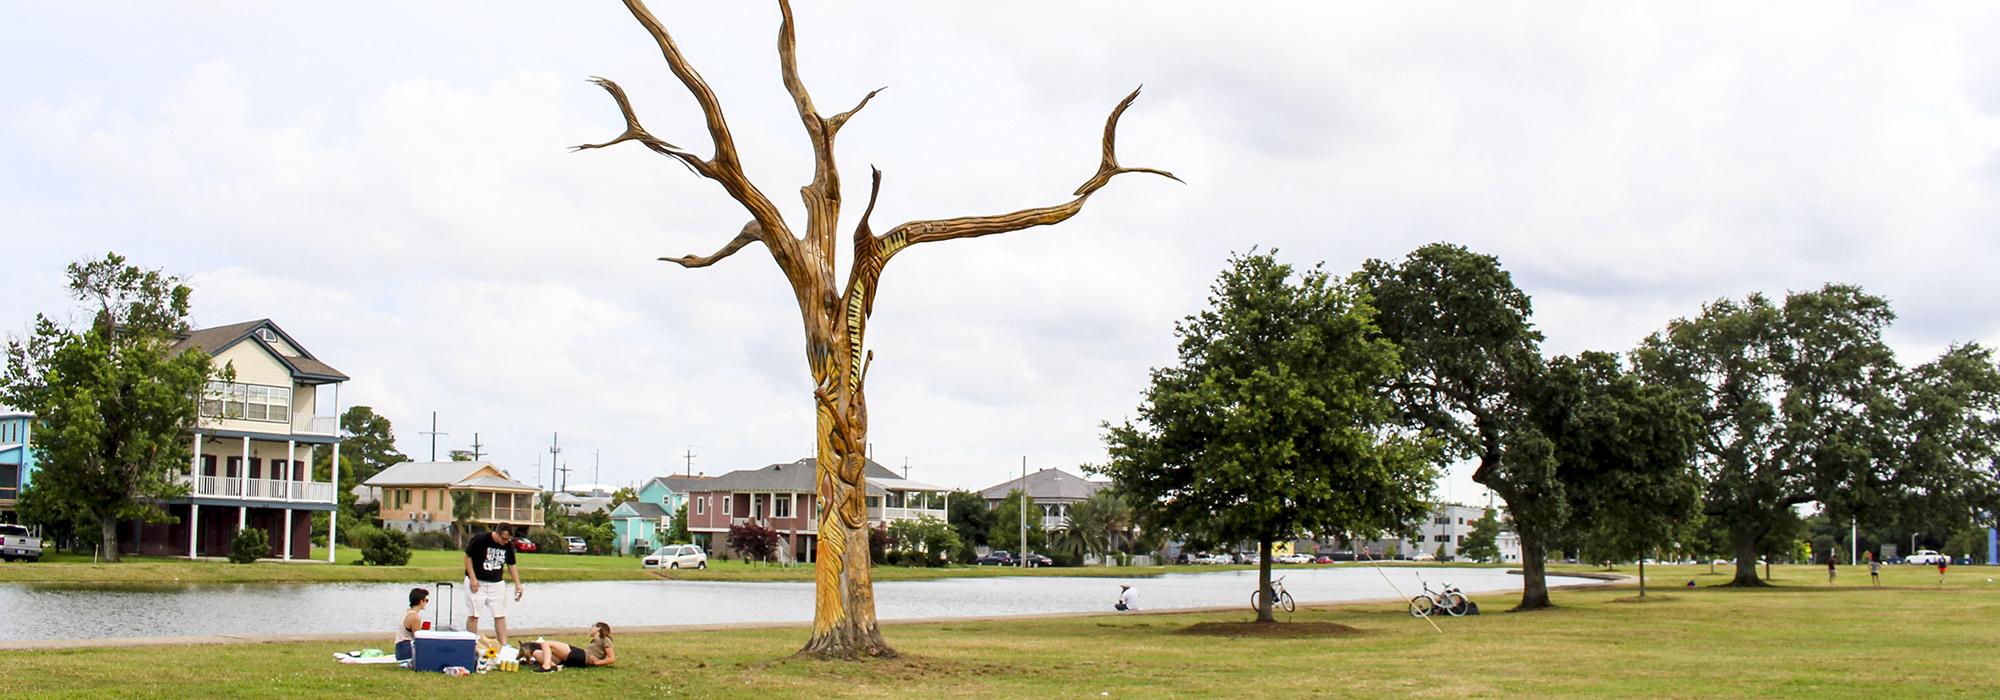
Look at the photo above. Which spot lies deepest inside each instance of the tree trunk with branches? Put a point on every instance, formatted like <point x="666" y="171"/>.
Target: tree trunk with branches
<point x="835" y="314"/>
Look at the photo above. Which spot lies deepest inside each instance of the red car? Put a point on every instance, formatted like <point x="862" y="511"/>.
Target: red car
<point x="523" y="544"/>
<point x="1323" y="559"/>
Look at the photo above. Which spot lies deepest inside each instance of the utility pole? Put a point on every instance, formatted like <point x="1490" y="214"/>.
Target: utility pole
<point x="1854" y="543"/>
<point x="555" y="451"/>
<point x="433" y="432"/>
<point x="564" y="483"/>
<point x="906" y="469"/>
<point x="690" y="460"/>
<point x="1024" y="511"/>
<point x="596" y="467"/>
<point x="476" y="453"/>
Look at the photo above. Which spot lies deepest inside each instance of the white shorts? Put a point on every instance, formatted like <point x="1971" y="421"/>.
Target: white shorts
<point x="490" y="601"/>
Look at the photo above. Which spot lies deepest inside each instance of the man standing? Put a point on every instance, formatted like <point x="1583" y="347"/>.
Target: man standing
<point x="487" y="558"/>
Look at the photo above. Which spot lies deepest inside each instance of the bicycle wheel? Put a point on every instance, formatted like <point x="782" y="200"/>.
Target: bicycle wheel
<point x="1285" y="599"/>
<point x="1454" y="603"/>
<point x="1257" y="600"/>
<point x="1422" y="606"/>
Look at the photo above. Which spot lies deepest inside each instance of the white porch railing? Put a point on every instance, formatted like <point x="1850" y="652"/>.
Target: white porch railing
<point x="885" y="514"/>
<point x="258" y="489"/>
<point x="497" y="514"/>
<point x="1054" y="522"/>
<point x="316" y="425"/>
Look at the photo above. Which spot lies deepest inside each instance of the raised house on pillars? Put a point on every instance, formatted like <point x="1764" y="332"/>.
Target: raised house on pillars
<point x="254" y="447"/>
<point x="783" y="497"/>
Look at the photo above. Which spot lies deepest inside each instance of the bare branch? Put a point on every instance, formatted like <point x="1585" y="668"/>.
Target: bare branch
<point x="914" y="232"/>
<point x="788" y="65"/>
<point x="840" y="120"/>
<point x="751" y="233"/>
<point x="635" y="132"/>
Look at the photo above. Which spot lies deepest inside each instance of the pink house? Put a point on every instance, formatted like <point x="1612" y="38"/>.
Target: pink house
<point x="784" y="497"/>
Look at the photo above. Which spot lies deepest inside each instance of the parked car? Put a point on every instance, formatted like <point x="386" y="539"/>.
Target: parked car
<point x="1924" y="556"/>
<point x="1424" y="556"/>
<point x="1295" y="559"/>
<point x="998" y="557"/>
<point x="576" y="545"/>
<point x="523" y="544"/>
<point x="1323" y="559"/>
<point x="16" y="543"/>
<point x="676" y="556"/>
<point x="1039" y="560"/>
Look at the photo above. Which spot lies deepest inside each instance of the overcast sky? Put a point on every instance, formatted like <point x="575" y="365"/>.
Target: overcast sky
<point x="390" y="183"/>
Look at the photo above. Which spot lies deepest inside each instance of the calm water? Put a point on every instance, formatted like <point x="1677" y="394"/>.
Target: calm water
<point x="34" y="611"/>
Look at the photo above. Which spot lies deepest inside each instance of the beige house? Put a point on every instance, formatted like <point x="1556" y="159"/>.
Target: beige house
<point x="260" y="427"/>
<point x="418" y="496"/>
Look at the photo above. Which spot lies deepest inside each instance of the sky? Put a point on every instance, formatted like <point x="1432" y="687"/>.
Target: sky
<point x="391" y="184"/>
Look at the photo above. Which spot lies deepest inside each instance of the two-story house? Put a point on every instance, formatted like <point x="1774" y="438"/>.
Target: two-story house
<point x="17" y="459"/>
<point x="418" y="496"/>
<point x="253" y="448"/>
<point x="784" y="497"/>
<point x="641" y="525"/>
<point x="1051" y="490"/>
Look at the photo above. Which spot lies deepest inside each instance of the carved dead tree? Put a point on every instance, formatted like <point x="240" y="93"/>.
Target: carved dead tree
<point x="836" y="316"/>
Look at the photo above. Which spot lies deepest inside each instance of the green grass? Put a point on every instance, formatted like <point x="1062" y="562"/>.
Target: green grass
<point x="1800" y="639"/>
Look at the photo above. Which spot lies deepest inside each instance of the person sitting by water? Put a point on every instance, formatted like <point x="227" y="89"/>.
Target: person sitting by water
<point x="1128" y="599"/>
<point x="549" y="656"/>
<point x="413" y="620"/>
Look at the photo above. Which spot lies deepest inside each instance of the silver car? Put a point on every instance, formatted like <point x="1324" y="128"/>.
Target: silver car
<point x="677" y="556"/>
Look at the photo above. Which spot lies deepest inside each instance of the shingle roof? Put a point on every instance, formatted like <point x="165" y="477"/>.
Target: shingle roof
<point x="1047" y="484"/>
<point x="644" y="509"/>
<point x="219" y="338"/>
<point x="682" y="484"/>
<point x="800" y="477"/>
<point x="443" y="474"/>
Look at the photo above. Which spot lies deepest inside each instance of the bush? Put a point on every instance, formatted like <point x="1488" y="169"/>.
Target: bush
<point x="386" y="548"/>
<point x="357" y="536"/>
<point x="754" y="542"/>
<point x="878" y="545"/>
<point x="433" y="539"/>
<point x="251" y="544"/>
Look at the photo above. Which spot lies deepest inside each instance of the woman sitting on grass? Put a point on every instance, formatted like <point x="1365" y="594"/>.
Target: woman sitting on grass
<point x="413" y="620"/>
<point x="550" y="656"/>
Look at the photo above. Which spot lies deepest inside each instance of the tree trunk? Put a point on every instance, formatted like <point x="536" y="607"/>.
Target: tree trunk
<point x="1534" y="575"/>
<point x="1746" y="561"/>
<point x="1264" y="596"/>
<point x="1642" y="577"/>
<point x="108" y="539"/>
<point x="844" y="625"/>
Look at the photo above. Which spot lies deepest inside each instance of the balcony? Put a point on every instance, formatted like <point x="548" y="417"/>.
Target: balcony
<point x="258" y="489"/>
<point x="510" y="516"/>
<point x="328" y="426"/>
<point x="880" y="514"/>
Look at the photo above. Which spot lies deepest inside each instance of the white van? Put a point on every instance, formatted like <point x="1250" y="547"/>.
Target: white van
<point x="677" y="556"/>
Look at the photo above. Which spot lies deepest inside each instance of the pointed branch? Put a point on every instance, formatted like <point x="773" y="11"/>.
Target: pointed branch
<point x="724" y="167"/>
<point x="915" y="232"/>
<point x="635" y="132"/>
<point x="840" y="120"/>
<point x="788" y="66"/>
<point x="751" y="233"/>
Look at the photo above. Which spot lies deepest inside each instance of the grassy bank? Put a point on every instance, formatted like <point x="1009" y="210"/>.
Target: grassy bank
<point x="434" y="565"/>
<point x="1800" y="639"/>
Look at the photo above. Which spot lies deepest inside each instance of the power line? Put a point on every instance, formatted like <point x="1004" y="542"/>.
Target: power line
<point x="433" y="432"/>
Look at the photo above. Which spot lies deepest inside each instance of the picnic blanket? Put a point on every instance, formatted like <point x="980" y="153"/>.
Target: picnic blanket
<point x="364" y="656"/>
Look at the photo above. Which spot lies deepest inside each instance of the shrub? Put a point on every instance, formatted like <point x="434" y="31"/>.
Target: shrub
<point x="357" y="536"/>
<point x="251" y="544"/>
<point x="878" y="545"/>
<point x="433" y="539"/>
<point x="755" y="542"/>
<point x="386" y="548"/>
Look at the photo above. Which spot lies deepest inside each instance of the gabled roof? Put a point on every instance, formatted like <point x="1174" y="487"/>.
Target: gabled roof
<point x="220" y="338"/>
<point x="446" y="474"/>
<point x="640" y="509"/>
<point x="1047" y="484"/>
<point x="799" y="477"/>
<point x="681" y="484"/>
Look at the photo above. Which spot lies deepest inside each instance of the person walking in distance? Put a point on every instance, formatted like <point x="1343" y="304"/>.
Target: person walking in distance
<point x="1944" y="562"/>
<point x="1829" y="568"/>
<point x="488" y="558"/>
<point x="1874" y="569"/>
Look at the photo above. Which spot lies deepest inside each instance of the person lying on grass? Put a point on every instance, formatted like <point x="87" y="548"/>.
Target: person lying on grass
<point x="549" y="656"/>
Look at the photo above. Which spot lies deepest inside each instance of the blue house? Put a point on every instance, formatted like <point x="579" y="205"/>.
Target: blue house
<point x="17" y="461"/>
<point x="641" y="526"/>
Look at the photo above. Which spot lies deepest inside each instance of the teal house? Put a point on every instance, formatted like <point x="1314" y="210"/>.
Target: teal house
<point x="641" y="526"/>
<point x="17" y="461"/>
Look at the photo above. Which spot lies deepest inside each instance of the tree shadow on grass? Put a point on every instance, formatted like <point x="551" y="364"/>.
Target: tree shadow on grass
<point x="1271" y="630"/>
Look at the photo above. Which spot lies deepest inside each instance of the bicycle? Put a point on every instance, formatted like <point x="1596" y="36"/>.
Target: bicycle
<point x="1449" y="600"/>
<point x="1280" y="599"/>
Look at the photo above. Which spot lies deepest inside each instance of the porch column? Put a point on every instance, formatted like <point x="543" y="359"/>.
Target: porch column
<point x="242" y="517"/>
<point x="194" y="463"/>
<point x="194" y="528"/>
<point x="243" y="471"/>
<point x="333" y="516"/>
<point x="291" y="457"/>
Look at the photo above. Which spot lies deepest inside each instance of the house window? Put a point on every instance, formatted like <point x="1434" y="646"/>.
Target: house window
<point x="427" y="499"/>
<point x="781" y="506"/>
<point x="701" y="505"/>
<point x="247" y="401"/>
<point x="1441" y="520"/>
<point x="728" y="503"/>
<point x="266" y="335"/>
<point x="1441" y="538"/>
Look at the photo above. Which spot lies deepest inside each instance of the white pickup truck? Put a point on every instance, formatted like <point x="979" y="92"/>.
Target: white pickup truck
<point x="16" y="543"/>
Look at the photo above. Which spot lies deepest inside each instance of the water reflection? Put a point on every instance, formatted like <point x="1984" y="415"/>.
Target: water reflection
<point x="69" y="611"/>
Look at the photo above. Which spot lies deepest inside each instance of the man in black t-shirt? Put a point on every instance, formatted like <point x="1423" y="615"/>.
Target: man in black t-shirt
<point x="487" y="558"/>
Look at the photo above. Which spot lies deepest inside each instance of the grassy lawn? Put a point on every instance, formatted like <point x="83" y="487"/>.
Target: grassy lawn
<point x="1799" y="639"/>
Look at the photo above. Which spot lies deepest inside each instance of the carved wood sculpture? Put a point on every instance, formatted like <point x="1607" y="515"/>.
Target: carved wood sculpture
<point x="836" y="319"/>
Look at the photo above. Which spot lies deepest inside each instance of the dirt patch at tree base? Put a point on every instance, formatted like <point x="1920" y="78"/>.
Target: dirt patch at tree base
<point x="1279" y="630"/>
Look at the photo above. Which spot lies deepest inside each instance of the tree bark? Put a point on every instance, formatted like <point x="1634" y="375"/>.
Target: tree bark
<point x="1746" y="562"/>
<point x="108" y="537"/>
<point x="844" y="624"/>
<point x="1264" y="597"/>
<point x="1642" y="577"/>
<point x="1534" y="575"/>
